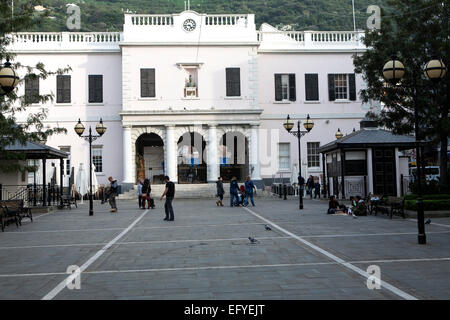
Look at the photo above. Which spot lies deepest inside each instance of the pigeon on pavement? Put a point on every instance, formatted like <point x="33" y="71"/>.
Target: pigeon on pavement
<point x="252" y="240"/>
<point x="267" y="227"/>
<point x="428" y="221"/>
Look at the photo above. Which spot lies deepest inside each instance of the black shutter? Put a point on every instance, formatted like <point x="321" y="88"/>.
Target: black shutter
<point x="233" y="82"/>
<point x="152" y="83"/>
<point x="144" y="83"/>
<point x="311" y="87"/>
<point x="292" y="90"/>
<point x="331" y="90"/>
<point x="352" y="86"/>
<point x="278" y="92"/>
<point x="67" y="89"/>
<point x="32" y="90"/>
<point x="95" y="88"/>
<point x="148" y="83"/>
<point x="59" y="89"/>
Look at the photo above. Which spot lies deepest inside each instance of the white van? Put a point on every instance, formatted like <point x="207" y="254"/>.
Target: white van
<point x="431" y="172"/>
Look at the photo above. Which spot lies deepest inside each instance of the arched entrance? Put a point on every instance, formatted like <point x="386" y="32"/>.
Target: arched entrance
<point x="192" y="167"/>
<point x="150" y="158"/>
<point x="234" y="157"/>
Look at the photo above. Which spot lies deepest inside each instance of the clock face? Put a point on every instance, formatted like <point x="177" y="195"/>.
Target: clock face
<point x="189" y="25"/>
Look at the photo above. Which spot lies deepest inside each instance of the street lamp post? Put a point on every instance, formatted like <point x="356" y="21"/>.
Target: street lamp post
<point x="393" y="72"/>
<point x="289" y="125"/>
<point x="101" y="129"/>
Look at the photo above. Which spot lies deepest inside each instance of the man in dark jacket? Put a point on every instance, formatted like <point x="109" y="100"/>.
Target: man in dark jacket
<point x="234" y="192"/>
<point x="169" y="193"/>
<point x="113" y="193"/>
<point x="220" y="191"/>
<point x="310" y="185"/>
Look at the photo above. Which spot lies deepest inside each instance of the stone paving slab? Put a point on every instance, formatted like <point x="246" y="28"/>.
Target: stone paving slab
<point x="205" y="254"/>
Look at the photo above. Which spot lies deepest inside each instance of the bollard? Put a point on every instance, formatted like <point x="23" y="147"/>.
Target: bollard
<point x="285" y="192"/>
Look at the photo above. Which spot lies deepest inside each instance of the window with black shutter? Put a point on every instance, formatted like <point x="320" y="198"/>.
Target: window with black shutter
<point x="233" y="82"/>
<point x="95" y="88"/>
<point x="311" y="87"/>
<point x="32" y="89"/>
<point x="148" y="83"/>
<point x="63" y="93"/>
<point x="285" y="89"/>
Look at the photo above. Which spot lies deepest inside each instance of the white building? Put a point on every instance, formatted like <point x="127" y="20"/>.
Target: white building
<point x="215" y="78"/>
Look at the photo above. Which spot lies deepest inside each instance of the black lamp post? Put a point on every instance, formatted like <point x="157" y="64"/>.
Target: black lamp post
<point x="393" y="72"/>
<point x="289" y="125"/>
<point x="79" y="129"/>
<point x="8" y="78"/>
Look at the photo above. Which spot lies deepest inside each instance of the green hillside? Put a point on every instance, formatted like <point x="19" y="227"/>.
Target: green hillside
<point x="107" y="15"/>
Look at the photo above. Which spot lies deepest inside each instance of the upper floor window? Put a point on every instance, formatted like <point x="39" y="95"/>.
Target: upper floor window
<point x="233" y="82"/>
<point x="285" y="87"/>
<point x="342" y="87"/>
<point x="95" y="88"/>
<point x="63" y="92"/>
<point x="148" y="83"/>
<point x="311" y="87"/>
<point x="313" y="154"/>
<point x="32" y="89"/>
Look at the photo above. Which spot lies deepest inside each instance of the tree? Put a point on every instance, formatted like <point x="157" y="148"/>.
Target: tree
<point x="21" y="18"/>
<point x="416" y="31"/>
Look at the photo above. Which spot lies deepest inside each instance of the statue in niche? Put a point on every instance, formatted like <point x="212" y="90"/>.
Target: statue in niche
<point x="190" y="83"/>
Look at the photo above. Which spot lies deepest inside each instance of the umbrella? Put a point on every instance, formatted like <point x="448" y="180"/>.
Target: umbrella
<point x="81" y="181"/>
<point x="294" y="175"/>
<point x="94" y="180"/>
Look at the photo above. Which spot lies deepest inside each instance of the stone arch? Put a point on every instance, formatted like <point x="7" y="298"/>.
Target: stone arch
<point x="137" y="132"/>
<point x="181" y="130"/>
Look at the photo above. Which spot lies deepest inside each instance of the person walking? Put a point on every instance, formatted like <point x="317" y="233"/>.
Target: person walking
<point x="169" y="193"/>
<point x="310" y="185"/>
<point x="249" y="186"/>
<point x="113" y="193"/>
<point x="317" y="189"/>
<point x="301" y="185"/>
<point x="234" y="192"/>
<point x="139" y="192"/>
<point x="220" y="191"/>
<point x="146" y="190"/>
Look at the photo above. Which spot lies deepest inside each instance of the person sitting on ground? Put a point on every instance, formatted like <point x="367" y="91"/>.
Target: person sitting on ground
<point x="361" y="208"/>
<point x="334" y="206"/>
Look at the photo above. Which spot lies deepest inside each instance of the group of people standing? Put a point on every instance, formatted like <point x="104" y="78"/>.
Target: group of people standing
<point x="144" y="190"/>
<point x="239" y="196"/>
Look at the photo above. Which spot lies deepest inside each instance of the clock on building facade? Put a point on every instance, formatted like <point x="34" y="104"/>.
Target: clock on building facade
<point x="189" y="25"/>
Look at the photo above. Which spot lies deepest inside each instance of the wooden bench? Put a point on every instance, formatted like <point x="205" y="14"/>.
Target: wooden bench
<point x="17" y="207"/>
<point x="391" y="206"/>
<point x="6" y="217"/>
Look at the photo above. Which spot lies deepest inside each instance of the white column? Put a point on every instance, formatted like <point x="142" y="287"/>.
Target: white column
<point x="254" y="154"/>
<point x="397" y="171"/>
<point x="213" y="158"/>
<point x="127" y="156"/>
<point x="369" y="170"/>
<point x="171" y="152"/>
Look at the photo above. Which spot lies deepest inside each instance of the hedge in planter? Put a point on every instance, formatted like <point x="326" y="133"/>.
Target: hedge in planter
<point x="429" y="205"/>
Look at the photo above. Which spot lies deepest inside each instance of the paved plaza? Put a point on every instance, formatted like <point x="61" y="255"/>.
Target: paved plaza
<point x="206" y="254"/>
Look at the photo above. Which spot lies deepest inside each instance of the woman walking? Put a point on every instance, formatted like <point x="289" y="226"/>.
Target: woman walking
<point x="220" y="191"/>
